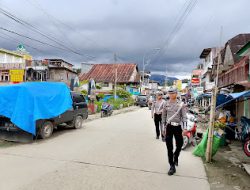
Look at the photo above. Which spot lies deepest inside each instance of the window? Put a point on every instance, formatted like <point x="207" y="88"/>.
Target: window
<point x="78" y="98"/>
<point x="105" y="84"/>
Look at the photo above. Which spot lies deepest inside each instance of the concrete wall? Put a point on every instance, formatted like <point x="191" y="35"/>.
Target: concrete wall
<point x="108" y="88"/>
<point x="61" y="75"/>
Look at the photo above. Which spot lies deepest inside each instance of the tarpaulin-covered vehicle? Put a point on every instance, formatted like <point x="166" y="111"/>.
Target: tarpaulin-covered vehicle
<point x="34" y="109"/>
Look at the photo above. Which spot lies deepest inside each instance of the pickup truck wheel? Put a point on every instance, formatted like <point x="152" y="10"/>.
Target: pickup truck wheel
<point x="46" y="129"/>
<point x="78" y="122"/>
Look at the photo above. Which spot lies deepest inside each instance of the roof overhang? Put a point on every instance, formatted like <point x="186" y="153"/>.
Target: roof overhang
<point x="245" y="50"/>
<point x="205" y="53"/>
<point x="11" y="53"/>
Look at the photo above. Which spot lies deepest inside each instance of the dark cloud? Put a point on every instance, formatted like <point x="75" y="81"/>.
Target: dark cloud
<point x="129" y="28"/>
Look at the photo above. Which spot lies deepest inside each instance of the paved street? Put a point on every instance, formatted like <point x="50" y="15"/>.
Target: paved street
<point x="119" y="152"/>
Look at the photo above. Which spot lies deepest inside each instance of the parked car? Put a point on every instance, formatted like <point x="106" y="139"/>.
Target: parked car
<point x="141" y="100"/>
<point x="73" y="117"/>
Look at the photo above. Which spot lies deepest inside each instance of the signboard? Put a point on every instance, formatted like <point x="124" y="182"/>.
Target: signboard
<point x="179" y="85"/>
<point x="199" y="89"/>
<point x="195" y="81"/>
<point x="6" y="66"/>
<point x="16" y="75"/>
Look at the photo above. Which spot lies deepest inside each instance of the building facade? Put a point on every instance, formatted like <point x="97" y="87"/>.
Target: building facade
<point x="12" y="67"/>
<point x="106" y="75"/>
<point x="234" y="69"/>
<point x="207" y="59"/>
<point x="51" y="70"/>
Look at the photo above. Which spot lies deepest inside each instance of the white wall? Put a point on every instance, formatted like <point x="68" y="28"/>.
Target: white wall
<point x="108" y="88"/>
<point x="7" y="58"/>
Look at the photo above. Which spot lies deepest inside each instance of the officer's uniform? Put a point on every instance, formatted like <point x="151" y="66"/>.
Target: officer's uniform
<point x="156" y="112"/>
<point x="173" y="127"/>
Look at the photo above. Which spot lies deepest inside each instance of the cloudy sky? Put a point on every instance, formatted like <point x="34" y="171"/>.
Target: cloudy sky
<point x="93" y="30"/>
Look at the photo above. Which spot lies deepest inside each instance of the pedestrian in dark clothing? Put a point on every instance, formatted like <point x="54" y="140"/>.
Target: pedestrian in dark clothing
<point x="156" y="112"/>
<point x="173" y="115"/>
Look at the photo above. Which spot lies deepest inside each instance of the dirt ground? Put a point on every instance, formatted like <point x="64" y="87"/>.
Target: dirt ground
<point x="226" y="172"/>
<point x="5" y="144"/>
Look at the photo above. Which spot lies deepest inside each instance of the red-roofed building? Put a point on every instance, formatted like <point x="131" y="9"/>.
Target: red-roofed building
<point x="104" y="75"/>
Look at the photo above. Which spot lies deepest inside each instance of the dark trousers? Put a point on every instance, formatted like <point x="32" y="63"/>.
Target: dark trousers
<point x="157" y="119"/>
<point x="175" y="131"/>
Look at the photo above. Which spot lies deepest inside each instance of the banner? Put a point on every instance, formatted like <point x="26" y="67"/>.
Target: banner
<point x="16" y="75"/>
<point x="179" y="85"/>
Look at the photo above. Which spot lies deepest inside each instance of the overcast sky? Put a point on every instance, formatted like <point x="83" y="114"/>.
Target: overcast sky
<point x="97" y="29"/>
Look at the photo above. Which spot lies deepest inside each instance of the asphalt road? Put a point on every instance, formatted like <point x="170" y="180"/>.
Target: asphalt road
<point x="119" y="152"/>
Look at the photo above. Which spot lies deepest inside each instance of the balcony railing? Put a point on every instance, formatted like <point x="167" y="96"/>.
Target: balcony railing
<point x="236" y="74"/>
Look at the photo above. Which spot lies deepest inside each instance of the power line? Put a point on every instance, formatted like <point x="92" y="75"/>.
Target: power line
<point x="177" y="27"/>
<point x="18" y="41"/>
<point x="33" y="39"/>
<point x="34" y="29"/>
<point x="38" y="6"/>
<point x="52" y="19"/>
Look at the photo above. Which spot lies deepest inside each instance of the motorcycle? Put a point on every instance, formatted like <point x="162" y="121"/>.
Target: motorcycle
<point x="245" y="134"/>
<point x="189" y="135"/>
<point x="106" y="110"/>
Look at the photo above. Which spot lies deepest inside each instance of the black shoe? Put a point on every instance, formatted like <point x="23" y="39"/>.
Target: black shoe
<point x="157" y="137"/>
<point x="172" y="170"/>
<point x="163" y="139"/>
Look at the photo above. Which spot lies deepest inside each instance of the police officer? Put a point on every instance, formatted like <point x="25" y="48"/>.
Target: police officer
<point x="156" y="113"/>
<point x="173" y="115"/>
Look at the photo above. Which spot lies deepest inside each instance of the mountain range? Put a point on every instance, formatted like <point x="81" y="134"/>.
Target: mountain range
<point x="161" y="78"/>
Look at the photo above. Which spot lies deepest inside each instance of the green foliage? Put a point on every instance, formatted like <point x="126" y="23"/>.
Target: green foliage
<point x="84" y="92"/>
<point x="219" y="125"/>
<point x="99" y="106"/>
<point x="98" y="86"/>
<point x="121" y="103"/>
<point x="101" y="95"/>
<point x="123" y="93"/>
<point x="83" y="82"/>
<point x="121" y="87"/>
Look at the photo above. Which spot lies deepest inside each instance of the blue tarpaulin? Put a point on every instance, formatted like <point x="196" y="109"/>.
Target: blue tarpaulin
<point x="27" y="102"/>
<point x="224" y="99"/>
<point x="231" y="97"/>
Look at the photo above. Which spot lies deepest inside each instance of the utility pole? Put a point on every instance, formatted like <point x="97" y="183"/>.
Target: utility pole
<point x="144" y="65"/>
<point x="212" y="110"/>
<point x="115" y="85"/>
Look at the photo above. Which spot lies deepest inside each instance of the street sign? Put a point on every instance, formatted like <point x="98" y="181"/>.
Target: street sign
<point x="16" y="75"/>
<point x="199" y="89"/>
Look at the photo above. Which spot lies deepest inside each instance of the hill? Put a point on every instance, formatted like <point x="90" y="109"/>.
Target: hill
<point x="161" y="78"/>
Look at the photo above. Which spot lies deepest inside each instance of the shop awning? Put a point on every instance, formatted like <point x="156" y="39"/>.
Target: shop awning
<point x="224" y="99"/>
<point x="231" y="97"/>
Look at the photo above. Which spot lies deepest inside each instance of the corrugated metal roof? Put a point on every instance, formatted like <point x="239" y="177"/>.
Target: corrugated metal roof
<point x="126" y="72"/>
<point x="236" y="43"/>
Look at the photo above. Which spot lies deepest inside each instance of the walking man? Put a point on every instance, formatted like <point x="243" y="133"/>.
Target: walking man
<point x="174" y="113"/>
<point x="156" y="112"/>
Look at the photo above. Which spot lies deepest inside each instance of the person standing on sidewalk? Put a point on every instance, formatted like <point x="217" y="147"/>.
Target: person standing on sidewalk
<point x="156" y="112"/>
<point x="173" y="115"/>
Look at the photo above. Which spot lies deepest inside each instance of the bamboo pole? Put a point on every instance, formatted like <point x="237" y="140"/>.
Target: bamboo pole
<point x="212" y="110"/>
